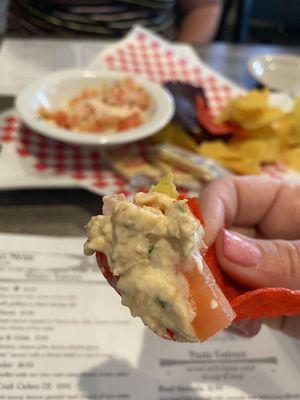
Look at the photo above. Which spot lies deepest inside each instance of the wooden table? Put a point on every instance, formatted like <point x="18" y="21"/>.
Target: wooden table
<point x="65" y="211"/>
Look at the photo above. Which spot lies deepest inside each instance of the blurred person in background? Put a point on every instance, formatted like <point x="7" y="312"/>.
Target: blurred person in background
<point x="183" y="20"/>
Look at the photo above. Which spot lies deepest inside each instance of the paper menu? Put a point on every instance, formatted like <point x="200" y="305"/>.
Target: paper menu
<point x="64" y="335"/>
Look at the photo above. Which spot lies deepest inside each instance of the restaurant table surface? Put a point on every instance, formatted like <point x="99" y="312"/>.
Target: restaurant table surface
<point x="66" y="211"/>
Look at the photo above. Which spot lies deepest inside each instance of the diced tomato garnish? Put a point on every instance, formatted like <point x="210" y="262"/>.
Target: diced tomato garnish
<point x="130" y="122"/>
<point x="170" y="334"/>
<point x="61" y="119"/>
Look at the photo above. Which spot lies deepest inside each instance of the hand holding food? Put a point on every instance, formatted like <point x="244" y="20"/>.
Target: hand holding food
<point x="151" y="251"/>
<point x="269" y="210"/>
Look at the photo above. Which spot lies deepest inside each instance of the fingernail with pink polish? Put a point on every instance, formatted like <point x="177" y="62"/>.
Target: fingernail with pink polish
<point x="239" y="250"/>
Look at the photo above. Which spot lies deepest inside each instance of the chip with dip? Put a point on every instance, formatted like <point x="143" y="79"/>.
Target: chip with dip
<point x="151" y="251"/>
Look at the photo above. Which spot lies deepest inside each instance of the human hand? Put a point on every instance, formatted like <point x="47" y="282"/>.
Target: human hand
<point x="268" y="210"/>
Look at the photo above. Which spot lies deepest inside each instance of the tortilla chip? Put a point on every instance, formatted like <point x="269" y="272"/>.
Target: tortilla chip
<point x="251" y="111"/>
<point x="166" y="186"/>
<point x="182" y="178"/>
<point x="174" y="134"/>
<point x="293" y="133"/>
<point x="291" y="157"/>
<point x="244" y="156"/>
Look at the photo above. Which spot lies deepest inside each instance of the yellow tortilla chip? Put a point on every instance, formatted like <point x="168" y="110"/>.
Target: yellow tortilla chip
<point x="227" y="156"/>
<point x="174" y="134"/>
<point x="253" y="100"/>
<point x="251" y="111"/>
<point x="182" y="178"/>
<point x="261" y="119"/>
<point x="294" y="133"/>
<point x="243" y="156"/>
<point x="292" y="157"/>
<point x="271" y="135"/>
<point x="262" y="150"/>
<point x="166" y="186"/>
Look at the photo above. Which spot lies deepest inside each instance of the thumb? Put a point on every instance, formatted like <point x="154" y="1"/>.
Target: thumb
<point x="259" y="263"/>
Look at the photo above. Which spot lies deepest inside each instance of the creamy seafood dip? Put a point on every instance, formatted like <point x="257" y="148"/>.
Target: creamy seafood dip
<point x="145" y="241"/>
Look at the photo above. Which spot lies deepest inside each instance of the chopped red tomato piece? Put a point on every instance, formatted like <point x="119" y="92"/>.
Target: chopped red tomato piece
<point x="61" y="119"/>
<point x="131" y="122"/>
<point x="170" y="334"/>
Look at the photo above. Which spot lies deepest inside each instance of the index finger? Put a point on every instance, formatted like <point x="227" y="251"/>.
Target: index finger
<point x="241" y="201"/>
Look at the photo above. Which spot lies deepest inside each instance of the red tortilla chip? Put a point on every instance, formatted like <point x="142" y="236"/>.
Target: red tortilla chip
<point x="254" y="303"/>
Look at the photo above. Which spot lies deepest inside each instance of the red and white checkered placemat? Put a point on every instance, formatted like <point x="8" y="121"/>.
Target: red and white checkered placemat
<point x="143" y="52"/>
<point x="41" y="160"/>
